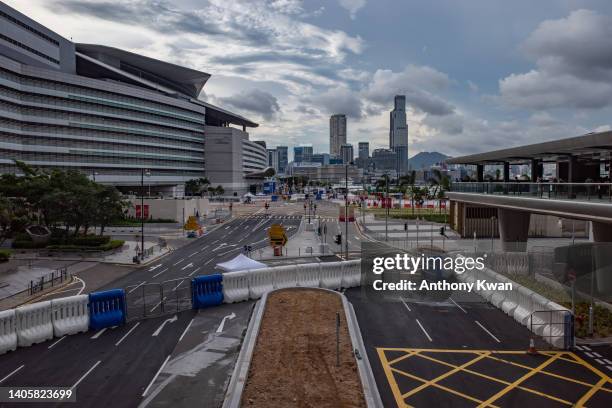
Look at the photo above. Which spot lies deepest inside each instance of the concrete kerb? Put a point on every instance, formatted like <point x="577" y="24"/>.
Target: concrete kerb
<point x="240" y="374"/>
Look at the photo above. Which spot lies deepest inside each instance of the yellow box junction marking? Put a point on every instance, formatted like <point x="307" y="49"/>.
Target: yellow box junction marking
<point x="496" y="356"/>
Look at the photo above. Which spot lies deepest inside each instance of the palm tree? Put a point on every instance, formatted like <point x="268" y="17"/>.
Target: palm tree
<point x="440" y="182"/>
<point x="407" y="183"/>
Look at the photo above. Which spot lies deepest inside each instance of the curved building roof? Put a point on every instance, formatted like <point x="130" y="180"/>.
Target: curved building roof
<point x="134" y="67"/>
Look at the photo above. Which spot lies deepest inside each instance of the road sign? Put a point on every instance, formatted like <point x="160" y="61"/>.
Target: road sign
<point x="277" y="234"/>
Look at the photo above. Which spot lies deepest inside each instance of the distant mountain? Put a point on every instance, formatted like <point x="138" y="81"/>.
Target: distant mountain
<point x="426" y="159"/>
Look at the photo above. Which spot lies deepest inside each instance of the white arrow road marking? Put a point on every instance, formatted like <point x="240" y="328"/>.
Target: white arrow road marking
<point x="159" y="329"/>
<point x="151" y="269"/>
<point x="189" y="265"/>
<point x="228" y="317"/>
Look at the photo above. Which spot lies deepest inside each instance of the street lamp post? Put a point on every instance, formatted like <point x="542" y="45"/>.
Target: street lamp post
<point x="142" y="192"/>
<point x="346" y="209"/>
<point x="387" y="208"/>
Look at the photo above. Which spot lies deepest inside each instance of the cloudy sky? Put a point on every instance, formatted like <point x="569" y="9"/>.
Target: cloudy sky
<point x="477" y="74"/>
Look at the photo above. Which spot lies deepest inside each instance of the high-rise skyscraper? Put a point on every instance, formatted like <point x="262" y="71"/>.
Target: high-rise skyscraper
<point x="302" y="154"/>
<point x="283" y="158"/>
<point x="337" y="133"/>
<point x="347" y="154"/>
<point x="398" y="133"/>
<point x="364" y="150"/>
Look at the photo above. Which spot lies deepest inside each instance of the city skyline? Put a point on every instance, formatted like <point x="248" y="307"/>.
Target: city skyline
<point x="492" y="74"/>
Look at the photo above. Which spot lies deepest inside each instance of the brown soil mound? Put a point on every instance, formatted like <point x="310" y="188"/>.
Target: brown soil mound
<point x="294" y="363"/>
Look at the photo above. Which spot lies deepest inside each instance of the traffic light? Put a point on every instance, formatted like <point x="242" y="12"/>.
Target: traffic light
<point x="338" y="239"/>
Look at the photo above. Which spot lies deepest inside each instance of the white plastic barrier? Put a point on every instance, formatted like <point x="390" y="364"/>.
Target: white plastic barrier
<point x="308" y="275"/>
<point x="524" y="306"/>
<point x="351" y="273"/>
<point x="331" y="275"/>
<point x="548" y="320"/>
<point x="285" y="276"/>
<point x="236" y="286"/>
<point x="260" y="282"/>
<point x="510" y="301"/>
<point x="70" y="315"/>
<point x="34" y="323"/>
<point x="8" y="331"/>
<point x="498" y="296"/>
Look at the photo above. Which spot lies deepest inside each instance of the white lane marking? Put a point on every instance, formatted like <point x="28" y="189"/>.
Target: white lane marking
<point x="587" y="348"/>
<point x="422" y="328"/>
<point x="219" y="247"/>
<point x="209" y="261"/>
<point x="608" y="367"/>
<point x="127" y="334"/>
<point x="185" y="331"/>
<point x="60" y="339"/>
<point x="85" y="375"/>
<point x="160" y="328"/>
<point x="136" y="287"/>
<point x="578" y="347"/>
<point x="156" y="375"/>
<point x="178" y="262"/>
<point x="159" y="273"/>
<point x="98" y="334"/>
<point x="227" y="252"/>
<point x="189" y="265"/>
<point x="488" y="332"/>
<point x="157" y="305"/>
<point x="222" y="325"/>
<point x="600" y="361"/>
<point x="180" y="283"/>
<point x="589" y="354"/>
<point x="151" y="269"/>
<point x="12" y="373"/>
<point x="227" y="227"/>
<point x="406" y="304"/>
<point x="194" y="271"/>
<point x="597" y="354"/>
<point x="457" y="304"/>
<point x="193" y="254"/>
<point x="607" y="361"/>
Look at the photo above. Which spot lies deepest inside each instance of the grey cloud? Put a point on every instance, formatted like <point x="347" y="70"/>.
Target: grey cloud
<point x="415" y="82"/>
<point x="573" y="56"/>
<point x="339" y="100"/>
<point x="254" y="100"/>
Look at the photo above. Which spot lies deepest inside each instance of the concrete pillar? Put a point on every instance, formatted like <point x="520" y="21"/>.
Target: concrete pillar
<point x="506" y="172"/>
<point x="602" y="232"/>
<point x="513" y="229"/>
<point x="480" y="173"/>
<point x="536" y="169"/>
<point x="451" y="215"/>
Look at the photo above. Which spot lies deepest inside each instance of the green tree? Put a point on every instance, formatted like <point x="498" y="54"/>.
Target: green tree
<point x="196" y="186"/>
<point x="109" y="206"/>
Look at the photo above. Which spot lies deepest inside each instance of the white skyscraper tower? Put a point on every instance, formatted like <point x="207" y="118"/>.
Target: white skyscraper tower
<point x="398" y="133"/>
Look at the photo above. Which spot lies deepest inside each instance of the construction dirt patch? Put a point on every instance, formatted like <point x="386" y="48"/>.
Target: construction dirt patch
<point x="294" y="362"/>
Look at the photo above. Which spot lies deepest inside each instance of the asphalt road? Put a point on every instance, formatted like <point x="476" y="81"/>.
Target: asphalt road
<point x="114" y="367"/>
<point x="461" y="351"/>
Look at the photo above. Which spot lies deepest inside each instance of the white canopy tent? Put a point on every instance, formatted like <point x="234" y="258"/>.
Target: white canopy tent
<point x="240" y="263"/>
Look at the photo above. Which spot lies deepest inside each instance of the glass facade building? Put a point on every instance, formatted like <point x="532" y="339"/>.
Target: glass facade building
<point x="104" y="111"/>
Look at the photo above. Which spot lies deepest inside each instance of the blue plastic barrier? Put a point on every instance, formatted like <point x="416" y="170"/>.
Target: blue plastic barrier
<point x="207" y="291"/>
<point x="107" y="309"/>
